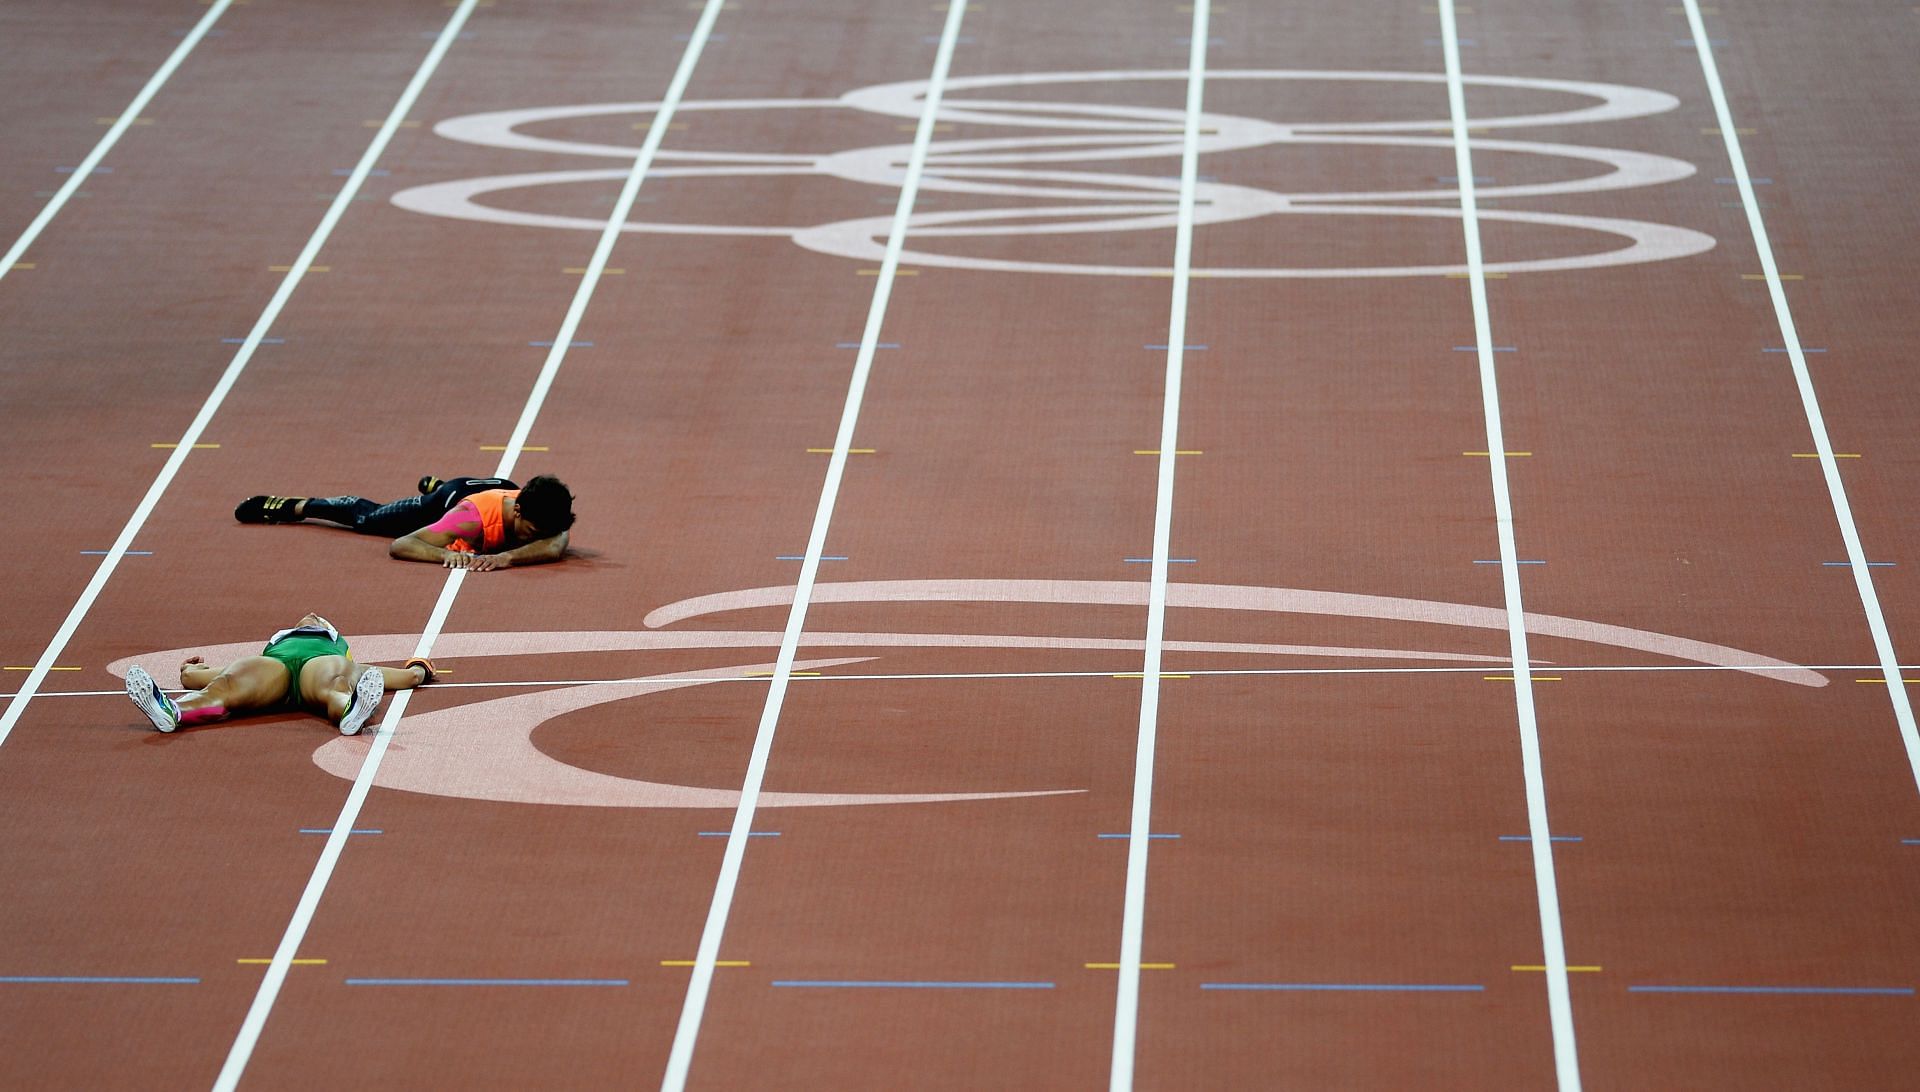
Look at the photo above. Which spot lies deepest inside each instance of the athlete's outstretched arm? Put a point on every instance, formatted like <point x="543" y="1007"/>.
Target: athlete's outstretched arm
<point x="196" y="673"/>
<point x="403" y="678"/>
<point x="422" y="545"/>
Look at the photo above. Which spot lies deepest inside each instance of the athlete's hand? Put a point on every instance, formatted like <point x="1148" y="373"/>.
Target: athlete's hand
<point x="478" y="563"/>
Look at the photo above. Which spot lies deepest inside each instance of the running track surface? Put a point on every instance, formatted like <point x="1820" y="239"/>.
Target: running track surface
<point x="1338" y="873"/>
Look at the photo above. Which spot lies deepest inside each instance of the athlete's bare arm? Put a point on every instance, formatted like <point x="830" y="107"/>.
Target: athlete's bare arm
<point x="425" y="545"/>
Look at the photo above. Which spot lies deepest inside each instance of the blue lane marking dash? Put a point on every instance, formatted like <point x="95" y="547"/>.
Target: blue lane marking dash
<point x="95" y="980"/>
<point x="1383" y="987"/>
<point x="1910" y="841"/>
<point x="1870" y="991"/>
<point x="486" y="982"/>
<point x="875" y="984"/>
<point x="1550" y="837"/>
<point x="329" y="830"/>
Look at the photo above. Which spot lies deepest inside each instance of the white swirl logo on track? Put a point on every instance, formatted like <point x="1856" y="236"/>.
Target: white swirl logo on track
<point x="486" y="750"/>
<point x="1084" y="172"/>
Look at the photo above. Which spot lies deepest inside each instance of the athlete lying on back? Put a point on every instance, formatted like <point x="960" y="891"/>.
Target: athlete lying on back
<point x="305" y="667"/>
<point x="462" y="523"/>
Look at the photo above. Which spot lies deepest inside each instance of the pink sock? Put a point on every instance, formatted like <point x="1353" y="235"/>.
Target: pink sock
<point x="203" y="713"/>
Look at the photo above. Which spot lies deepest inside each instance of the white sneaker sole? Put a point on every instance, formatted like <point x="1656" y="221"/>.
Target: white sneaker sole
<point x="146" y="694"/>
<point x="366" y="698"/>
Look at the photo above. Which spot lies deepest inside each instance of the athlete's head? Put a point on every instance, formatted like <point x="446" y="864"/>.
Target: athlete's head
<point x="545" y="507"/>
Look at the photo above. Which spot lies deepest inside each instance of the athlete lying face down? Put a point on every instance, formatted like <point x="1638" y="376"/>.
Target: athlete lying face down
<point x="306" y="666"/>
<point x="463" y="523"/>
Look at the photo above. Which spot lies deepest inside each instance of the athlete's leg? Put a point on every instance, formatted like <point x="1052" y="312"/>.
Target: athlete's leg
<point x="348" y="691"/>
<point x="246" y="684"/>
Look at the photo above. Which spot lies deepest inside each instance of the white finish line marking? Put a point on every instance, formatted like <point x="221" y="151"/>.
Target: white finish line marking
<point x="1809" y="401"/>
<point x="1126" y="1007"/>
<point x="680" y="1060"/>
<point x="1559" y="1001"/>
<point x="363" y="783"/>
<point x="127" y="119"/>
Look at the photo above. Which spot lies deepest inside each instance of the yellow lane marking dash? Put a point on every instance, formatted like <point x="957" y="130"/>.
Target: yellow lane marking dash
<point x="1116" y="966"/>
<point x="581" y="270"/>
<point x="24" y="265"/>
<point x="196" y="447"/>
<point x="503" y="447"/>
<point x="1816" y="455"/>
<point x="1907" y="681"/>
<point x="1570" y="968"/>
<point x="29" y="667"/>
<point x="295" y="962"/>
<point x="850" y="451"/>
<point x="717" y="963"/>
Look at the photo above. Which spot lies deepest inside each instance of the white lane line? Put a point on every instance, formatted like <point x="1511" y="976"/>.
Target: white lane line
<point x="1126" y="1006"/>
<point x="343" y="826"/>
<point x="120" y="126"/>
<point x="241" y="357"/>
<point x="283" y="956"/>
<point x="686" y="1034"/>
<point x="1809" y="401"/>
<point x="1546" y="888"/>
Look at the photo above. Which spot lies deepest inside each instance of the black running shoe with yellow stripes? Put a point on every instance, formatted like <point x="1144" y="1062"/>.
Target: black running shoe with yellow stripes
<point x="265" y="509"/>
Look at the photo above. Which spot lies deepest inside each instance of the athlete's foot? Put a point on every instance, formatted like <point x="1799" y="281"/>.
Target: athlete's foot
<point x="160" y="709"/>
<point x="363" y="701"/>
<point x="268" y="509"/>
<point x="427" y="484"/>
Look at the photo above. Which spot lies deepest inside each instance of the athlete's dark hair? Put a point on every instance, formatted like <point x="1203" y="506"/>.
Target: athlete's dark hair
<point x="546" y="503"/>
